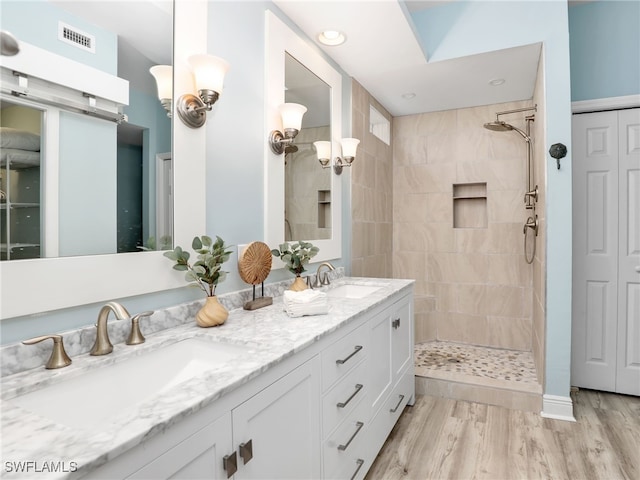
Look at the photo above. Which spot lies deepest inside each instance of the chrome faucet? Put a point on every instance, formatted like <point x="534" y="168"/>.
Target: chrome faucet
<point x="102" y="345"/>
<point x="325" y="279"/>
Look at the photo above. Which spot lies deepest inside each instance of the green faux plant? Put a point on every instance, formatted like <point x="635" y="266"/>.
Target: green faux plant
<point x="206" y="273"/>
<point x="296" y="255"/>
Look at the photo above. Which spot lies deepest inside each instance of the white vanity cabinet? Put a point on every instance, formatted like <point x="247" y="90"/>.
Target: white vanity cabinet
<point x="324" y="412"/>
<point x="392" y="371"/>
<point x="273" y="434"/>
<point x="277" y="432"/>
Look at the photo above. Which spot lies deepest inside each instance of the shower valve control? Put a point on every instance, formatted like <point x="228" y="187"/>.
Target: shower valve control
<point x="533" y="194"/>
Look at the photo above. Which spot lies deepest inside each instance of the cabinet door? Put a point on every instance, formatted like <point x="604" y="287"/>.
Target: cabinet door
<point x="401" y="338"/>
<point x="198" y="456"/>
<point x="380" y="373"/>
<point x="282" y="422"/>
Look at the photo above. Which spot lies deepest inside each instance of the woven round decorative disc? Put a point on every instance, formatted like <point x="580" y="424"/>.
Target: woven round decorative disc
<point x="254" y="263"/>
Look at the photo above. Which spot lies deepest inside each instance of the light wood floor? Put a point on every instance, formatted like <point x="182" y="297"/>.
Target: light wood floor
<point x="440" y="438"/>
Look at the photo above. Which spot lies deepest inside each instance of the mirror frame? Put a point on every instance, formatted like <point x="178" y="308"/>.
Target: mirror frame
<point x="40" y="285"/>
<point x="280" y="39"/>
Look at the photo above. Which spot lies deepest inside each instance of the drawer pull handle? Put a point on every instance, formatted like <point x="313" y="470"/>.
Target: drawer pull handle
<point x="396" y="323"/>
<point x="344" y="360"/>
<point x="230" y="464"/>
<point x="360" y="462"/>
<point x="344" y="404"/>
<point x="359" y="426"/>
<point x="394" y="410"/>
<point x="246" y="451"/>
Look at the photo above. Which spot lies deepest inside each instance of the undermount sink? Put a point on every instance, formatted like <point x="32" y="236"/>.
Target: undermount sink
<point x="97" y="395"/>
<point x="351" y="290"/>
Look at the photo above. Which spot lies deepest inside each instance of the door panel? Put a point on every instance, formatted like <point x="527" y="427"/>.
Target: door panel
<point x="595" y="250"/>
<point x="628" y="371"/>
<point x="606" y="251"/>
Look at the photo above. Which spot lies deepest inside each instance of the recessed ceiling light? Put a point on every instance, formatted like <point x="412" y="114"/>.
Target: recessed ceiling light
<point x="408" y="96"/>
<point x="496" y="82"/>
<point x="332" y="38"/>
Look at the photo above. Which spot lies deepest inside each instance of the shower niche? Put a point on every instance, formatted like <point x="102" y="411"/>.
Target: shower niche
<point x="470" y="205"/>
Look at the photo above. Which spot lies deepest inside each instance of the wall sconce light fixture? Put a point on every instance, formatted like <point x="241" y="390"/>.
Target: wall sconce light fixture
<point x="208" y="73"/>
<point x="291" y="114"/>
<point x="164" y="80"/>
<point x="349" y="147"/>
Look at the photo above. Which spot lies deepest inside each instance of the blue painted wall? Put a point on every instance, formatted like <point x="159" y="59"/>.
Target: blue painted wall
<point x="605" y="49"/>
<point x="236" y="134"/>
<point x="37" y="23"/>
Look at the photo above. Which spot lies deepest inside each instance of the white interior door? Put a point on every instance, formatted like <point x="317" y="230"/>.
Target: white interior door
<point x="606" y="247"/>
<point x="628" y="364"/>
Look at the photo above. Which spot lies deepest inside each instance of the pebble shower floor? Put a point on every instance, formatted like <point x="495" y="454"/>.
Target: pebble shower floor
<point x="476" y="364"/>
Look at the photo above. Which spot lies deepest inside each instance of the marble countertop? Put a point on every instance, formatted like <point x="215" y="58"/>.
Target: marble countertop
<point x="269" y="335"/>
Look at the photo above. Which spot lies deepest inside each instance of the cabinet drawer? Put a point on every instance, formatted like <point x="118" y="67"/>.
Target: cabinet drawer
<point x="346" y="445"/>
<point x="344" y="355"/>
<point x="391" y="410"/>
<point x="343" y="398"/>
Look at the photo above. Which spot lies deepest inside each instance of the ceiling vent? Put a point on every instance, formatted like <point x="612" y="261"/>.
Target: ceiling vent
<point x="76" y="37"/>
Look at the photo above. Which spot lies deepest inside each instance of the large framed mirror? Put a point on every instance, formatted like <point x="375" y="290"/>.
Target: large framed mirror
<point x="307" y="188"/>
<point x="303" y="201"/>
<point x="83" y="277"/>
<point x="86" y="169"/>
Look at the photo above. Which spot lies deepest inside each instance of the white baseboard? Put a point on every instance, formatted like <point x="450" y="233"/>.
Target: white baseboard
<point x="558" y="408"/>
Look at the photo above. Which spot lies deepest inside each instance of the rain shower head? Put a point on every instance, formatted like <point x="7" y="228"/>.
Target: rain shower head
<point x="498" y="126"/>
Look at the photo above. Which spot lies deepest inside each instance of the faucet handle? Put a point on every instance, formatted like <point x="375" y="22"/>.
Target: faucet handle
<point x="325" y="279"/>
<point x="59" y="357"/>
<point x="135" y="336"/>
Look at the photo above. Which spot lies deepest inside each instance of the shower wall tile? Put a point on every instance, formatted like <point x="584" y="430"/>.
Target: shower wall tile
<point x="428" y="178"/>
<point x="482" y="288"/>
<point x="506" y="238"/>
<point x="411" y="150"/>
<point x="371" y="178"/>
<point x="471" y="240"/>
<point x="505" y="205"/>
<point x="498" y="174"/>
<point x="507" y="332"/>
<point x="419" y="237"/>
<point x="363" y="176"/>
<point x="509" y="270"/>
<point x="412" y="265"/>
<point x="490" y="300"/>
<point x="446" y="296"/>
<point x="460" y="268"/>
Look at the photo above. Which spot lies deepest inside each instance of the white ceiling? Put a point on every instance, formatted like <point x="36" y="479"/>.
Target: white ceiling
<point x="383" y="54"/>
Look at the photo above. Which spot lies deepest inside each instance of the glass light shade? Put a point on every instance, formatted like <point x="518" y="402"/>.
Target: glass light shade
<point x="292" y="115"/>
<point x="349" y="147"/>
<point x="208" y="71"/>
<point x="323" y="149"/>
<point x="164" y="80"/>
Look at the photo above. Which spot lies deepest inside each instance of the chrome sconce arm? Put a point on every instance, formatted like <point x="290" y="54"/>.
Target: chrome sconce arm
<point x="191" y="109"/>
<point x="278" y="140"/>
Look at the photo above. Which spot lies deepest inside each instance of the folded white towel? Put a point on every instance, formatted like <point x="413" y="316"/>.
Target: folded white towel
<point x="306" y="302"/>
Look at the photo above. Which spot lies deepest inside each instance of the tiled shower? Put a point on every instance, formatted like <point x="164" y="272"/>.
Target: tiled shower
<point x="457" y="214"/>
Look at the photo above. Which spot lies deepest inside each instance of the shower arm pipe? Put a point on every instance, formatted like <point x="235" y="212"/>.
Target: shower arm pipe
<point x="517" y="110"/>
